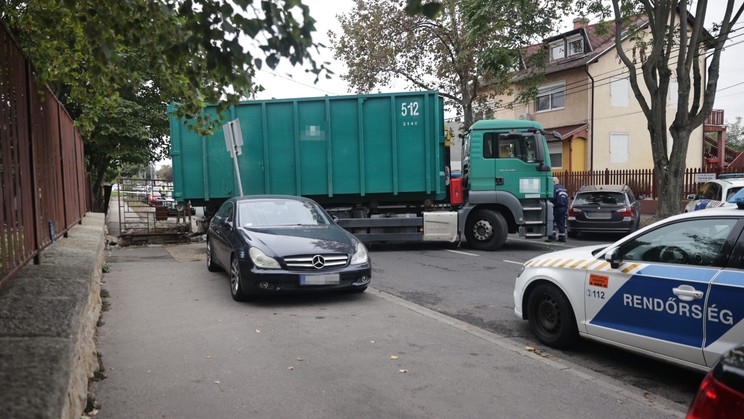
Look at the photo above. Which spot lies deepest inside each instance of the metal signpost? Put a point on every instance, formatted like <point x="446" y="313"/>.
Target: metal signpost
<point x="234" y="144"/>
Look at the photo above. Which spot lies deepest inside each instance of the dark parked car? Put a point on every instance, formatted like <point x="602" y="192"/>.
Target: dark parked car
<point x="603" y="209"/>
<point x="721" y="394"/>
<point x="271" y="243"/>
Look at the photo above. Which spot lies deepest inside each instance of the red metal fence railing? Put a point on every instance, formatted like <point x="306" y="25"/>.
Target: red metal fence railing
<point x="641" y="181"/>
<point x="42" y="171"/>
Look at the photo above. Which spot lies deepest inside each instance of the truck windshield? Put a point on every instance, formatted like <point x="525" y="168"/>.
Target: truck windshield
<point x="505" y="146"/>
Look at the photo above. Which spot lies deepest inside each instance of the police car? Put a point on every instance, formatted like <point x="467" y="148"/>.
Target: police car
<point x="716" y="192"/>
<point x="673" y="290"/>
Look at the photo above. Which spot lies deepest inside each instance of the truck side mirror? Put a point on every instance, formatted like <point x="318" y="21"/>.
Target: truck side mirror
<point x="557" y="135"/>
<point x="542" y="167"/>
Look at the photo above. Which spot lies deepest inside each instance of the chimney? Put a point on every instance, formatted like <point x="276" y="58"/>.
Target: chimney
<point x="580" y="22"/>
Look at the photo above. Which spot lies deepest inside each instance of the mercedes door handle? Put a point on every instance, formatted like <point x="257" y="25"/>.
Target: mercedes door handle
<point x="687" y="293"/>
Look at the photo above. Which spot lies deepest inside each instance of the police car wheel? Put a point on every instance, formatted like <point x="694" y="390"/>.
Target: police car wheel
<point x="551" y="316"/>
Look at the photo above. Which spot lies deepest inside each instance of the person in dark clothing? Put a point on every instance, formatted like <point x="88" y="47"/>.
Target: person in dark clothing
<point x="560" y="207"/>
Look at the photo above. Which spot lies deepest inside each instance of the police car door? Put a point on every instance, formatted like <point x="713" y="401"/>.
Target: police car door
<point x="655" y="299"/>
<point x="724" y="327"/>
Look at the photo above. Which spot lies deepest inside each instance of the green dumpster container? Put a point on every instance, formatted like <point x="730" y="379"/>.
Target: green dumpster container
<point x="386" y="148"/>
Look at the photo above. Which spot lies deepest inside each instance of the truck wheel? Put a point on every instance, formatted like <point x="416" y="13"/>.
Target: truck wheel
<point x="486" y="230"/>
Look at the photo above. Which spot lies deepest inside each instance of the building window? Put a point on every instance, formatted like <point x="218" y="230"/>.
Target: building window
<point x="557" y="50"/>
<point x="556" y="154"/>
<point x="619" y="148"/>
<point x="619" y="91"/>
<point x="575" y="45"/>
<point x="549" y="97"/>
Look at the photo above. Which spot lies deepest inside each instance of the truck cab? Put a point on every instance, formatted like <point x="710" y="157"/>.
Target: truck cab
<point x="507" y="182"/>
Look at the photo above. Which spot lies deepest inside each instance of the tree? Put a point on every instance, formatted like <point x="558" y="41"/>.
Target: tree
<point x="668" y="41"/>
<point x="381" y="44"/>
<point x="735" y="135"/>
<point x="116" y="65"/>
<point x="165" y="173"/>
<point x="193" y="47"/>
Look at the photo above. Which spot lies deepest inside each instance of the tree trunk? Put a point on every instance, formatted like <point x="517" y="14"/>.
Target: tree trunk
<point x="467" y="107"/>
<point x="669" y="192"/>
<point x="670" y="178"/>
<point x="98" y="198"/>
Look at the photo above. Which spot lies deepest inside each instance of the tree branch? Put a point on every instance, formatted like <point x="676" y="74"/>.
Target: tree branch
<point x="632" y="71"/>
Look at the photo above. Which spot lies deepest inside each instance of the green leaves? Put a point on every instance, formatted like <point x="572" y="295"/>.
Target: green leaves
<point x="430" y="9"/>
<point x="468" y="51"/>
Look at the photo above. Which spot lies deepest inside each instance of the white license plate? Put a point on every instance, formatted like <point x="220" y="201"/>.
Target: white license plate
<point x="330" y="279"/>
<point x="598" y="215"/>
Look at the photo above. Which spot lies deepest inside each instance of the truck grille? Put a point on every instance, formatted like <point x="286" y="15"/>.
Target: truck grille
<point x="316" y="262"/>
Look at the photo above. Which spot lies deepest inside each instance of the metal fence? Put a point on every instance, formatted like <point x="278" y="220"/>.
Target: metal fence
<point x="641" y="181"/>
<point x="44" y="186"/>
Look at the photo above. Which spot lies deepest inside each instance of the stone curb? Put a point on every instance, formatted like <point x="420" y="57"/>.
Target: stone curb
<point x="48" y="316"/>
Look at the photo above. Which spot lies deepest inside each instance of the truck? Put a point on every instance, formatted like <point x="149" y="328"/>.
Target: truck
<point x="378" y="163"/>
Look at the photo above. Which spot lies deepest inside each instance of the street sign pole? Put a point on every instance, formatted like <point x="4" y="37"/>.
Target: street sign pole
<point x="234" y="144"/>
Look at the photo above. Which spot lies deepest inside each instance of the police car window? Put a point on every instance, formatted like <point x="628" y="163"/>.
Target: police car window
<point x="689" y="242"/>
<point x="708" y="191"/>
<point x="731" y="192"/>
<point x="713" y="191"/>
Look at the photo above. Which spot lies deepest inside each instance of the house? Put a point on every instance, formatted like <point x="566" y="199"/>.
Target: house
<point x="587" y="98"/>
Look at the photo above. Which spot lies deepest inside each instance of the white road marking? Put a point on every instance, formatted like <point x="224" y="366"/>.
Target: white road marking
<point x="461" y="253"/>
<point x="514" y="262"/>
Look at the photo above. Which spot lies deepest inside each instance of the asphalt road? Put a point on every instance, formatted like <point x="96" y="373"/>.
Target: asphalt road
<point x="174" y="344"/>
<point x="476" y="287"/>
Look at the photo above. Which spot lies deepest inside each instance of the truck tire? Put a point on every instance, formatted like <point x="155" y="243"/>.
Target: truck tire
<point x="486" y="230"/>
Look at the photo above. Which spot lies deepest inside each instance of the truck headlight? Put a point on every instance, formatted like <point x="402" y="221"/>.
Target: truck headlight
<point x="260" y="259"/>
<point x="360" y="256"/>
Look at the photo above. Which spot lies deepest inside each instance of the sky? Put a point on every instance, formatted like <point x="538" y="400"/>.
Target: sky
<point x="289" y="82"/>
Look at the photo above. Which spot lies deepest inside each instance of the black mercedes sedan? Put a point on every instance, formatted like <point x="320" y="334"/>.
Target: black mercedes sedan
<point x="271" y="243"/>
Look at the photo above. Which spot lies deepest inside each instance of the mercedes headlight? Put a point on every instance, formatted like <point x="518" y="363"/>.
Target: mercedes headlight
<point x="360" y="256"/>
<point x="260" y="259"/>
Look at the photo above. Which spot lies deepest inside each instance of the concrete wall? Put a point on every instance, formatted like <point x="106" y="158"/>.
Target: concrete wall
<point x="48" y="316"/>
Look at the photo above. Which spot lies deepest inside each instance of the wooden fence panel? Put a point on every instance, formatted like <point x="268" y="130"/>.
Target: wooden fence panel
<point x="642" y="181"/>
